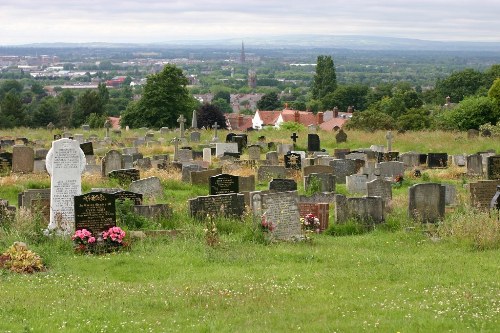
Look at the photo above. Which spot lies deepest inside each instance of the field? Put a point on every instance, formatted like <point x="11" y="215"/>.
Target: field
<point x="397" y="277"/>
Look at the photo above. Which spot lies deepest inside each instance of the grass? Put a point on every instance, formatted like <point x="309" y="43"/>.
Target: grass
<point x="399" y="277"/>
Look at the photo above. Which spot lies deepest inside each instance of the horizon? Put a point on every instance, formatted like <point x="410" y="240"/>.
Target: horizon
<point x="155" y="21"/>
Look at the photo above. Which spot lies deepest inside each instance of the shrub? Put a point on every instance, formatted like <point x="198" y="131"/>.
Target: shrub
<point x="19" y="259"/>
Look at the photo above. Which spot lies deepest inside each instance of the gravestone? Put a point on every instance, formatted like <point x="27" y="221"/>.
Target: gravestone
<point x="36" y="200"/>
<point x="294" y="138"/>
<point x="148" y="187"/>
<point x="202" y="177"/>
<point x="317" y="169"/>
<point x="450" y="194"/>
<point x="459" y="160"/>
<point x="195" y="136"/>
<point x="87" y="148"/>
<point x="227" y="205"/>
<point x="95" y="211"/>
<point x="422" y="158"/>
<point x="474" y="165"/>
<point x="324" y="197"/>
<point x="240" y="140"/>
<point x="319" y="182"/>
<point x="481" y="193"/>
<point x="356" y="183"/>
<point x="293" y="161"/>
<point x="410" y="160"/>
<point x="125" y="176"/>
<point x="65" y="163"/>
<point x="343" y="168"/>
<point x="185" y="155"/>
<point x="282" y="211"/>
<point x="282" y="185"/>
<point x="221" y="148"/>
<point x="187" y="168"/>
<point x="365" y="209"/>
<point x="427" y="202"/>
<point x="136" y="198"/>
<point x="181" y="120"/>
<point x="320" y="210"/>
<point x="254" y="152"/>
<point x="472" y="133"/>
<point x="266" y="172"/>
<point x="229" y="137"/>
<point x="223" y="184"/>
<point x="5" y="160"/>
<point x="23" y="159"/>
<point x="389" y="138"/>
<point x="111" y="161"/>
<point x="207" y="155"/>
<point x="391" y="169"/>
<point x="388" y="156"/>
<point x="493" y="167"/>
<point x="284" y="148"/>
<point x="313" y="142"/>
<point x="215" y="138"/>
<point x="437" y="160"/>
<point x="380" y="188"/>
<point x="341" y="136"/>
<point x="272" y="158"/>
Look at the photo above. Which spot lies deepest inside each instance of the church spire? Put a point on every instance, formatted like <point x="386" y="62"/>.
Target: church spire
<point x="242" y="55"/>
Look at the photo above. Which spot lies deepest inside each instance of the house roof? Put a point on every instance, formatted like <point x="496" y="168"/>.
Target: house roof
<point x="305" y="118"/>
<point x="268" y="117"/>
<point x="115" y="122"/>
<point x="332" y="123"/>
<point x="236" y="123"/>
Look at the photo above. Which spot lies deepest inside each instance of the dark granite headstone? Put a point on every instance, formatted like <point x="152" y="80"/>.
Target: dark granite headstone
<point x="493" y="167"/>
<point x="422" y="158"/>
<point x="235" y="155"/>
<point x="223" y="184"/>
<point x="87" y="148"/>
<point x="437" y="160"/>
<point x="282" y="185"/>
<point x="313" y="142"/>
<point x="293" y="161"/>
<point x="388" y="157"/>
<point x="229" y="137"/>
<point x="136" y="198"/>
<point x="228" y="205"/>
<point x="95" y="211"/>
<point x="125" y="176"/>
<point x="240" y="141"/>
<point x="5" y="160"/>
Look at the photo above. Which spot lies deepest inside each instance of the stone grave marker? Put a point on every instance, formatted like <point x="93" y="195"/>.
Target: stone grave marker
<point x="437" y="160"/>
<point x="36" y="200"/>
<point x="343" y="168"/>
<point x="319" y="182"/>
<point x="365" y="209"/>
<point x="472" y="133"/>
<point x="459" y="160"/>
<point x="136" y="198"/>
<point x="313" y="142"/>
<point x="391" y="169"/>
<point x="5" y="160"/>
<point x="389" y="138"/>
<point x="293" y="161"/>
<point x="266" y="172"/>
<point x="228" y="205"/>
<point x="341" y="136"/>
<point x="181" y="120"/>
<point x="187" y="168"/>
<point x="380" y="188"/>
<point x="427" y="202"/>
<point x="282" y="185"/>
<point x="422" y="158"/>
<point x="87" y="148"/>
<point x="23" y="159"/>
<point x="409" y="160"/>
<point x="320" y="210"/>
<point x="195" y="136"/>
<point x="246" y="183"/>
<point x="272" y="158"/>
<point x="111" y="161"/>
<point x="317" y="169"/>
<point x="202" y="177"/>
<point x="148" y="187"/>
<point x="125" y="176"/>
<point x="481" y="193"/>
<point x="493" y="167"/>
<point x="223" y="184"/>
<point x="65" y="163"/>
<point x="356" y="183"/>
<point x="240" y="140"/>
<point x="221" y="148"/>
<point x="282" y="210"/>
<point x="95" y="211"/>
<point x="215" y="138"/>
<point x="254" y="152"/>
<point x="474" y="165"/>
<point x="450" y="194"/>
<point x="185" y="155"/>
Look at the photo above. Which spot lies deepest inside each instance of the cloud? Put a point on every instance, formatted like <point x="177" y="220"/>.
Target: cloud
<point x="25" y="21"/>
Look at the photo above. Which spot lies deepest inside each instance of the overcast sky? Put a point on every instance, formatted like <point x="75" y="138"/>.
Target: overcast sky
<point x="36" y="21"/>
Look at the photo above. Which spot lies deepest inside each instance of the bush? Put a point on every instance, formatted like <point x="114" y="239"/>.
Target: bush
<point x="19" y="259"/>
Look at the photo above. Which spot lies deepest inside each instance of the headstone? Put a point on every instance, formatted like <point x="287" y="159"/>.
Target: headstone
<point x="459" y="160"/>
<point x="410" y="160"/>
<point x="389" y="138"/>
<point x="87" y="148"/>
<point x="221" y="148"/>
<point x="493" y="167"/>
<point x="202" y="177"/>
<point x="95" y="211"/>
<point x="319" y="182"/>
<point x="391" y="169"/>
<point x="136" y="198"/>
<point x="320" y="210"/>
<point x="22" y="159"/>
<point x="293" y="161"/>
<point x="227" y="205"/>
<point x="450" y="194"/>
<point x="149" y="187"/>
<point x="207" y="155"/>
<point x="272" y="158"/>
<point x="254" y="152"/>
<point x="240" y="141"/>
<point x="195" y="136"/>
<point x="282" y="211"/>
<point x="341" y="136"/>
<point x="343" y="168"/>
<point x="65" y="163"/>
<point x="266" y="172"/>
<point x="294" y="137"/>
<point x="284" y="148"/>
<point x="215" y="138"/>
<point x="125" y="176"/>
<point x="187" y="168"/>
<point x="79" y="138"/>
<point x="474" y="165"/>
<point x="481" y="193"/>
<point x="181" y="120"/>
<point x="427" y="202"/>
<point x="36" y="200"/>
<point x="194" y="120"/>
<point x="246" y="183"/>
<point x="176" y="141"/>
<point x="340" y="153"/>
<point x="317" y="169"/>
<point x="111" y="161"/>
<point x="437" y="160"/>
<point x="356" y="183"/>
<point x="422" y="158"/>
<point x="313" y="142"/>
<point x="324" y="197"/>
<point x="185" y="155"/>
<point x="223" y="184"/>
<point x="380" y="188"/>
<point x="282" y="185"/>
<point x="472" y="133"/>
<point x="365" y="209"/>
<point x="5" y="161"/>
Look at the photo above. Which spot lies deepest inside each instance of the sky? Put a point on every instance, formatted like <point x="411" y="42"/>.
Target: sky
<point x="41" y="21"/>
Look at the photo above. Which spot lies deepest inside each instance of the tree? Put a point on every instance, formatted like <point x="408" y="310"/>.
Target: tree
<point x="224" y="95"/>
<point x="414" y="120"/>
<point x="472" y="112"/>
<point x="165" y="97"/>
<point x="460" y="85"/>
<point x="223" y="105"/>
<point x="494" y="91"/>
<point x="345" y="96"/>
<point x="370" y="120"/>
<point x="12" y="113"/>
<point x="269" y="101"/>
<point x="209" y="114"/>
<point x="325" y="80"/>
<point x="45" y="113"/>
<point x="86" y="104"/>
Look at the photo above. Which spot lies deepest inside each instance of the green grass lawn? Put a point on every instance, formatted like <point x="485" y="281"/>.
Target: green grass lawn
<point x="381" y="281"/>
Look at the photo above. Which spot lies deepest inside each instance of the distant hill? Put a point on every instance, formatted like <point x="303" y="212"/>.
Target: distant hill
<point x="354" y="42"/>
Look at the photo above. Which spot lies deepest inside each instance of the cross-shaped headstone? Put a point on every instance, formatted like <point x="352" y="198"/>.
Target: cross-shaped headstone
<point x="107" y="126"/>
<point x="181" y="120"/>
<point x="294" y="137"/>
<point x="215" y="126"/>
<point x="50" y="126"/>
<point x="176" y="141"/>
<point x="389" y="137"/>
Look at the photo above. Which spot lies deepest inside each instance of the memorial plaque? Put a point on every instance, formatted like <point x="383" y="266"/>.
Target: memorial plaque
<point x="87" y="148"/>
<point x="293" y="161"/>
<point x="282" y="185"/>
<point x="125" y="176"/>
<point x="227" y="205"/>
<point x="493" y="167"/>
<point x="223" y="184"/>
<point x="313" y="142"/>
<point x="95" y="211"/>
<point x="136" y="198"/>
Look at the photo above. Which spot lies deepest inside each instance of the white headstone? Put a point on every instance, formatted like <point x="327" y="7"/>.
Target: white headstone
<point x="207" y="155"/>
<point x="221" y="148"/>
<point x="65" y="163"/>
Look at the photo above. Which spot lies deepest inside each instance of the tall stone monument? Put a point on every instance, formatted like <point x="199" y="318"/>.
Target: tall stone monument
<point x="65" y="163"/>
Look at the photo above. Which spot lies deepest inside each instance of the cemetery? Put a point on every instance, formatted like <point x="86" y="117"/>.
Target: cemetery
<point x="183" y="230"/>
